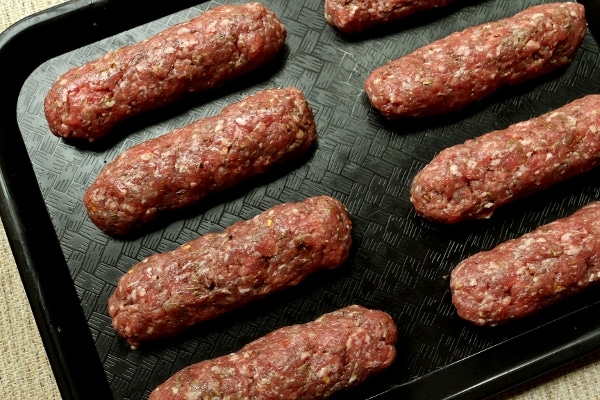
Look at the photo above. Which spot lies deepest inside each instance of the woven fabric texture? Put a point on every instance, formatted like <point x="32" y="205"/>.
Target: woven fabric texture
<point x="25" y="371"/>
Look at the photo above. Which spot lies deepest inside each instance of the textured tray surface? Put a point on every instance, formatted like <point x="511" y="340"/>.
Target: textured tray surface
<point x="400" y="263"/>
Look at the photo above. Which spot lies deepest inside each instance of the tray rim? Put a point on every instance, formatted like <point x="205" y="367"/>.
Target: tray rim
<point x="55" y="304"/>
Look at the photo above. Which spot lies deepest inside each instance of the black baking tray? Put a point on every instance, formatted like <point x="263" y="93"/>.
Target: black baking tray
<point x="400" y="263"/>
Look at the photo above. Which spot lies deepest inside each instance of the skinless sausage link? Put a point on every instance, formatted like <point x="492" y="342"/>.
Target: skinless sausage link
<point x="180" y="168"/>
<point x="166" y="293"/>
<point x="524" y="275"/>
<point x="467" y="66"/>
<point x="353" y="16"/>
<point x="309" y="361"/>
<point x="473" y="179"/>
<point x="207" y="51"/>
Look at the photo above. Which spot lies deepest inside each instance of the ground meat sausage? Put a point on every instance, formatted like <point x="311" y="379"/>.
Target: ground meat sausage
<point x="351" y="16"/>
<point x="310" y="361"/>
<point x="180" y="168"/>
<point x="218" y="272"/>
<point x="471" y="180"/>
<point x="218" y="45"/>
<point x="523" y="275"/>
<point x="467" y="66"/>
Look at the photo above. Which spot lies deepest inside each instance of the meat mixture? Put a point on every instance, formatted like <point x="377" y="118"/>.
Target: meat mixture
<point x="521" y="276"/>
<point x="220" y="44"/>
<point x="178" y="169"/>
<point x="351" y="16"/>
<point x="218" y="272"/>
<point x="473" y="179"/>
<point x="310" y="361"/>
<point x="467" y="66"/>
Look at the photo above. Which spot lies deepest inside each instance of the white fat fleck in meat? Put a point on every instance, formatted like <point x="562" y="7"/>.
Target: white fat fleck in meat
<point x="352" y="10"/>
<point x="323" y="372"/>
<point x="463" y="51"/>
<point x="522" y="170"/>
<point x="506" y="301"/>
<point x="183" y="30"/>
<point x="166" y="50"/>
<point x="499" y="51"/>
<point x="493" y="266"/>
<point x="150" y="273"/>
<point x="129" y="208"/>
<point x="526" y="244"/>
<point x="216" y="369"/>
<point x="454" y="170"/>
<point x="219" y="126"/>
<point x="192" y="395"/>
<point x="567" y="237"/>
<point x="495" y="162"/>
<point x="283" y="267"/>
<point x="179" y="277"/>
<point x="532" y="45"/>
<point x="551" y="116"/>
<point x="525" y="142"/>
<point x="572" y="120"/>
<point x="571" y="248"/>
<point x="594" y="277"/>
<point x="226" y="22"/>
<point x="537" y="16"/>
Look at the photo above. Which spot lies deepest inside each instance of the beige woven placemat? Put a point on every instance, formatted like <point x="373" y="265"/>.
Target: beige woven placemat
<point x="25" y="372"/>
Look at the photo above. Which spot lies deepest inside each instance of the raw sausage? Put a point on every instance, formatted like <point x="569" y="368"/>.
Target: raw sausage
<point x="215" y="273"/>
<point x="471" y="180"/>
<point x="178" y="169"/>
<point x="351" y="16"/>
<point x="467" y="66"/>
<point x="523" y="275"/>
<point x="310" y="361"/>
<point x="220" y="44"/>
